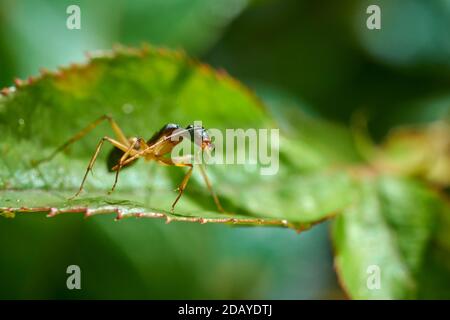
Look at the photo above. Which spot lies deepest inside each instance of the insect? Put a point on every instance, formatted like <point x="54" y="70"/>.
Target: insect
<point x="127" y="151"/>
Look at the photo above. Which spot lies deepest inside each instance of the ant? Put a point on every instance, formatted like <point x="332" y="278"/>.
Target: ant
<point x="127" y="150"/>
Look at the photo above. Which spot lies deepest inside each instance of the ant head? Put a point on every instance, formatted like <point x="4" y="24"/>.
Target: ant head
<point x="200" y="137"/>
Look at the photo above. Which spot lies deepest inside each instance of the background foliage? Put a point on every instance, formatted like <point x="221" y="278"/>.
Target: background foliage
<point x="328" y="82"/>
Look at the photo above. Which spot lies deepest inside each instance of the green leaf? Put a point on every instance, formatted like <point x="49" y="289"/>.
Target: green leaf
<point x="311" y="143"/>
<point x="194" y="25"/>
<point x="143" y="90"/>
<point x="392" y="227"/>
<point x="435" y="276"/>
<point x="418" y="151"/>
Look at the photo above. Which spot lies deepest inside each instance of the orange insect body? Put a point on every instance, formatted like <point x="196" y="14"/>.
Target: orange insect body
<point x="127" y="150"/>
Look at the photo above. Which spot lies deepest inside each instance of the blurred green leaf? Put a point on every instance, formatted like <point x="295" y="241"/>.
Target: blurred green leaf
<point x="144" y="89"/>
<point x="393" y="227"/>
<point x="193" y="25"/>
<point x="418" y="151"/>
<point x="311" y="143"/>
<point x="190" y="24"/>
<point x="435" y="276"/>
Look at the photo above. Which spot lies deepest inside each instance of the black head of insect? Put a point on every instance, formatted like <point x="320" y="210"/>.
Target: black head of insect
<point x="200" y="137"/>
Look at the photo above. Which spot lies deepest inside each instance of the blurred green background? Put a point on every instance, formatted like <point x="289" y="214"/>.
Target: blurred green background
<point x="315" y="55"/>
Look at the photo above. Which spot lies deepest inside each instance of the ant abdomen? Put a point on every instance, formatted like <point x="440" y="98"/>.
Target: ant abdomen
<point x="165" y="131"/>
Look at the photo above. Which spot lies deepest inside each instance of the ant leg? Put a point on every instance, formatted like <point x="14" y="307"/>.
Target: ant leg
<point x="182" y="186"/>
<point x="180" y="162"/>
<point x="94" y="157"/>
<point x="118" y="132"/>
<point x="122" y="160"/>
<point x="210" y="188"/>
<point x="144" y="147"/>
